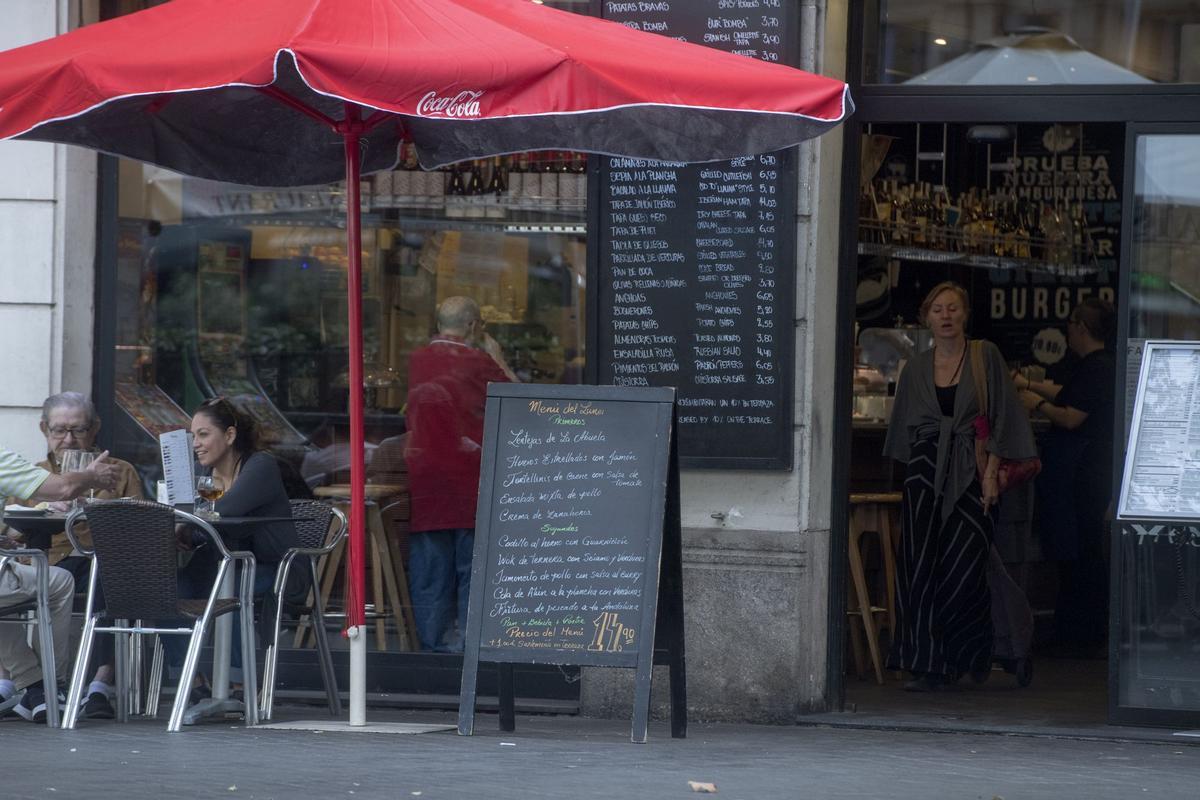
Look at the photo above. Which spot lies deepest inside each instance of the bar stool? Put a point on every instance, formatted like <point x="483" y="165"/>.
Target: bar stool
<point x="389" y="581"/>
<point x="879" y="512"/>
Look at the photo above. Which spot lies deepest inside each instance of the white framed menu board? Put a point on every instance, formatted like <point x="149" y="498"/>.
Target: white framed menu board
<point x="1162" y="461"/>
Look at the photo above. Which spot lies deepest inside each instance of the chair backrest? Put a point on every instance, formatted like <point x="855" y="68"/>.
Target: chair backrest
<point x="137" y="556"/>
<point x="313" y="520"/>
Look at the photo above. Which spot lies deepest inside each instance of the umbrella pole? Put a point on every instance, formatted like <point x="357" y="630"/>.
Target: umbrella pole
<point x="351" y="129"/>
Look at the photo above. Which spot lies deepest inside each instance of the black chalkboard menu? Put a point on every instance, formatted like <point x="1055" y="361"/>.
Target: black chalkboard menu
<point x="577" y="486"/>
<point x="695" y="264"/>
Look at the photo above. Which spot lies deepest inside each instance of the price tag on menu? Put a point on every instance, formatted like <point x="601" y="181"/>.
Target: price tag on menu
<point x="178" y="470"/>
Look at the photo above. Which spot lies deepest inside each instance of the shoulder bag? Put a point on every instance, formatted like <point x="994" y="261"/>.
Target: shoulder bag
<point x="1013" y="472"/>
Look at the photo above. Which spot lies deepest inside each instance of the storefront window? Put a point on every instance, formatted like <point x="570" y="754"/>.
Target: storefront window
<point x="1018" y="43"/>
<point x="241" y="292"/>
<point x="1159" y="560"/>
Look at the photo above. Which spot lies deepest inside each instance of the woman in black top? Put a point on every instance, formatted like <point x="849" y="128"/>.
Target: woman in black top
<point x="943" y="619"/>
<point x="1075" y="486"/>
<point x="224" y="442"/>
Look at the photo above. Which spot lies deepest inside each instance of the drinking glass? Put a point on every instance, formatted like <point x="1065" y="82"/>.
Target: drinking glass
<point x="210" y="489"/>
<point x="77" y="461"/>
<point x="68" y="459"/>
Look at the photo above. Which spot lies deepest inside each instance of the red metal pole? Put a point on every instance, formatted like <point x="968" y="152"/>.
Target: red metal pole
<point x="351" y="130"/>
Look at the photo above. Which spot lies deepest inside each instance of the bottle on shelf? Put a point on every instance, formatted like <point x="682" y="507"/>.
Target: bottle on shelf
<point x="475" y="193"/>
<point x="497" y="190"/>
<point x="548" y="180"/>
<point x="921" y="212"/>
<point x="525" y="182"/>
<point x="405" y="178"/>
<point x="456" y="193"/>
<point x="571" y="180"/>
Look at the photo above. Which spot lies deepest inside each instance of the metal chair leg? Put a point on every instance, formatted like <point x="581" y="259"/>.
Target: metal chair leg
<point x="46" y="647"/>
<point x="175" y="724"/>
<point x="324" y="656"/>
<point x="137" y="670"/>
<point x="75" y="696"/>
<point x="271" y="656"/>
<point x="249" y="646"/>
<point x="154" y="690"/>
<point x="121" y="649"/>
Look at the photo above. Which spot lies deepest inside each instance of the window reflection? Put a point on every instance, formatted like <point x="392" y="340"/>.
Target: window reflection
<point x="1015" y="42"/>
<point x="1159" y="563"/>
<point x="1165" y="298"/>
<point x="241" y="292"/>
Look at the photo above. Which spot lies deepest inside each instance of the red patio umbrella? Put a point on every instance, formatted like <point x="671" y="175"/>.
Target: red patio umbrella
<point x="264" y="92"/>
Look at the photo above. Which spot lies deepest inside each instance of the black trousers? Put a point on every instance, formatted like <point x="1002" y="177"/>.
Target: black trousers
<point x="105" y="651"/>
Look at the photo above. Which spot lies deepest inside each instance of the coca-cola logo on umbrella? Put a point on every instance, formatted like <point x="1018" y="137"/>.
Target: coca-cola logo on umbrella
<point x="463" y="104"/>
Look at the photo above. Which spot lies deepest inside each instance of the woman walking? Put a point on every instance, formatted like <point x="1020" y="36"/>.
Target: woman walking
<point x="943" y="605"/>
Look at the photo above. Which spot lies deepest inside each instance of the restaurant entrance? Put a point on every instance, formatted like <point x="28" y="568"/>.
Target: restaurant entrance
<point x="974" y="160"/>
<point x="1026" y="218"/>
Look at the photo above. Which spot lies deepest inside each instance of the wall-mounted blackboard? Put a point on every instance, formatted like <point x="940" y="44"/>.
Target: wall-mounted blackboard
<point x="694" y="265"/>
<point x="577" y="486"/>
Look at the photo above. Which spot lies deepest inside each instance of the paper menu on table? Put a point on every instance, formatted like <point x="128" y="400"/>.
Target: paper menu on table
<point x="178" y="471"/>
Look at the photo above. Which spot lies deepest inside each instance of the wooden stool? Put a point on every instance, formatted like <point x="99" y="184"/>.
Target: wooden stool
<point x="872" y="512"/>
<point x="389" y="582"/>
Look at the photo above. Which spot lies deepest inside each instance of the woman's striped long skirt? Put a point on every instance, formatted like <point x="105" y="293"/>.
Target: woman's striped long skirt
<point x="943" y="605"/>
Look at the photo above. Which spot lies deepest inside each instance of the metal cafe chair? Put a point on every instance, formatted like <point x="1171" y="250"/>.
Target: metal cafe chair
<point x="36" y="612"/>
<point x="320" y="527"/>
<point x="136" y="557"/>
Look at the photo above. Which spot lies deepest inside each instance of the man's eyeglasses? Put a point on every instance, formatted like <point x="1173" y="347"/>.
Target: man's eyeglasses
<point x="78" y="433"/>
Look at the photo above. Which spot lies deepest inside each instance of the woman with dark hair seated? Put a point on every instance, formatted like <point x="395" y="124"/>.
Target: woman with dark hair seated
<point x="224" y="443"/>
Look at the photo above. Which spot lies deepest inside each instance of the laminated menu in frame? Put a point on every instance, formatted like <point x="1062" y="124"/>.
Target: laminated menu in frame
<point x="1162" y="461"/>
<point x="577" y="556"/>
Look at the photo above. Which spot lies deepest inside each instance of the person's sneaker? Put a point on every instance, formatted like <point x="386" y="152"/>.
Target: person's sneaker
<point x="98" y="707"/>
<point x="32" y="707"/>
<point x="8" y="704"/>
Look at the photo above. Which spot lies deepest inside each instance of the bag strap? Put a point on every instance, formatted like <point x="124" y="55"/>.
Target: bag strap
<point x="978" y="375"/>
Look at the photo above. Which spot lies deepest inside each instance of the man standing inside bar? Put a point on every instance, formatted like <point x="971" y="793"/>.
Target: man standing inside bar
<point x="447" y="392"/>
<point x="18" y="582"/>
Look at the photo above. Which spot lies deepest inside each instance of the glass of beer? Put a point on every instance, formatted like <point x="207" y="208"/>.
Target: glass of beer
<point x="209" y="490"/>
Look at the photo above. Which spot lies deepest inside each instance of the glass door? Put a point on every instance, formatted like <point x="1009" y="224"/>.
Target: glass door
<point x="1156" y="563"/>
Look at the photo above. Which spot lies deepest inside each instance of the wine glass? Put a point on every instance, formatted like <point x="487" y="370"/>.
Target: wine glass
<point x="210" y="489"/>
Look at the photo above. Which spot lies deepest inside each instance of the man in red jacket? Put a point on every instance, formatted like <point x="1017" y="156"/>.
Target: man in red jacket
<point x="447" y="392"/>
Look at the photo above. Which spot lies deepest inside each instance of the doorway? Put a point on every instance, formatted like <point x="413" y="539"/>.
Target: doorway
<point x="1027" y="218"/>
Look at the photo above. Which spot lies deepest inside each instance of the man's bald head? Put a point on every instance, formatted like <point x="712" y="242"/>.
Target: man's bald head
<point x="456" y="315"/>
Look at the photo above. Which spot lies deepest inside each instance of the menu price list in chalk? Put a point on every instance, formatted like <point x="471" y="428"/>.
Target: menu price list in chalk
<point x="695" y="287"/>
<point x="695" y="292"/>
<point x="564" y="571"/>
<point x="754" y="28"/>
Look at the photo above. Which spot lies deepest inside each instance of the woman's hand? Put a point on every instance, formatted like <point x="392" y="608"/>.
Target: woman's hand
<point x="991" y="491"/>
<point x="1019" y="380"/>
<point x="1029" y="399"/>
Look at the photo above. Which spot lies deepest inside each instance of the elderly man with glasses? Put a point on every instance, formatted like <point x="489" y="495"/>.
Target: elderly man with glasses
<point x="21" y="689"/>
<point x="69" y="422"/>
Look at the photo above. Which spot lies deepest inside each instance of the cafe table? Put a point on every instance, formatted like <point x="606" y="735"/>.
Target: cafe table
<point x="39" y="525"/>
